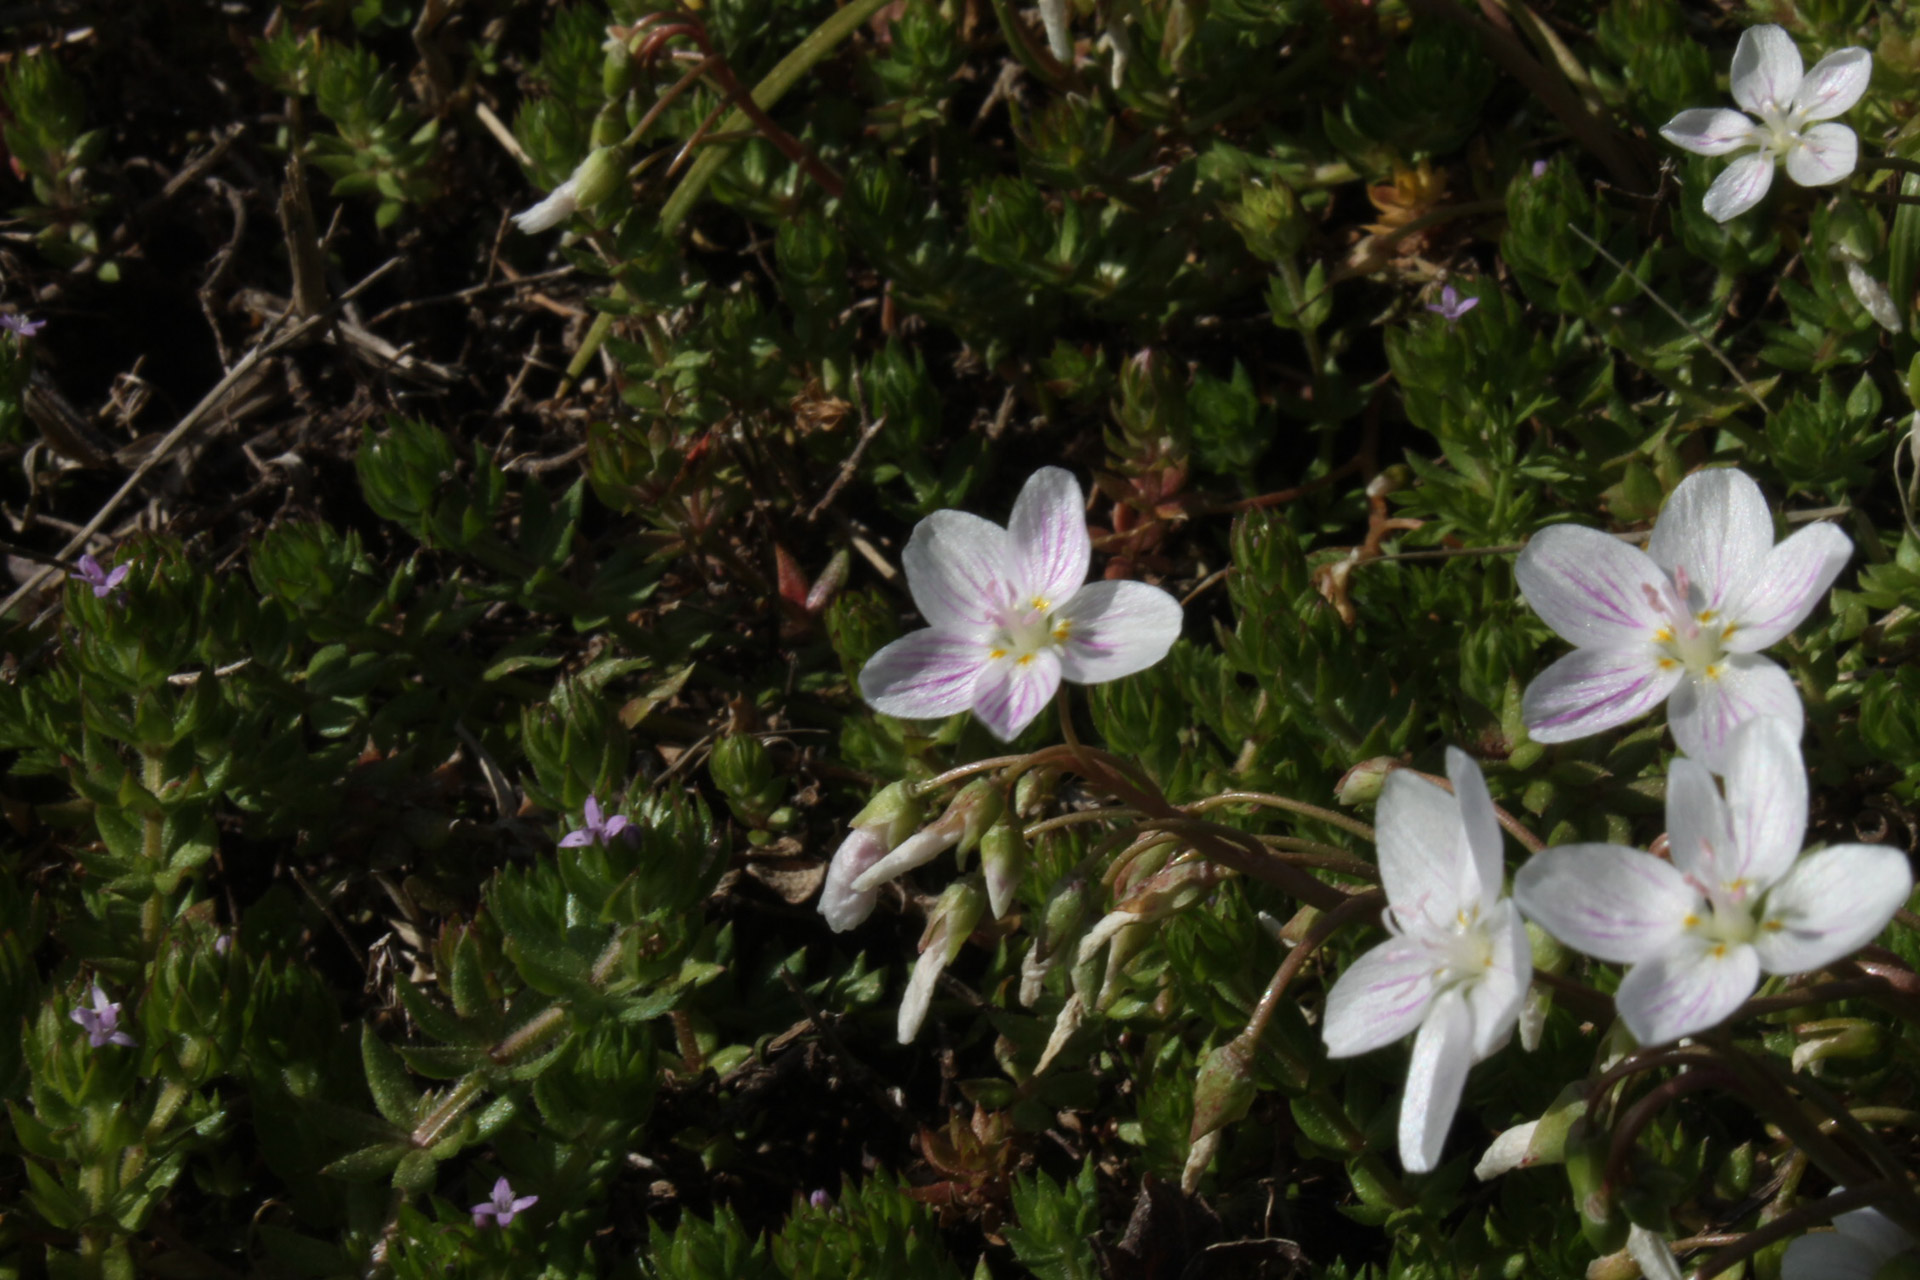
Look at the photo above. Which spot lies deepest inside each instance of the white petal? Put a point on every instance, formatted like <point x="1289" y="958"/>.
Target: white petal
<point x="1827" y="1255"/>
<point x="1380" y="998"/>
<point x="1048" y="530"/>
<point x="1830" y="905"/>
<point x="842" y="904"/>
<point x="919" y="992"/>
<point x="960" y="570"/>
<point x="1053" y="16"/>
<point x="1791" y="581"/>
<point x="1698" y="831"/>
<point x="1592" y="690"/>
<point x="1707" y="709"/>
<point x="549" y="213"/>
<point x="1873" y="1230"/>
<point x="1425" y="865"/>
<point x="1012" y="691"/>
<point x="1115" y="629"/>
<point x="1710" y="131"/>
<point x="1740" y="186"/>
<point x="1612" y="903"/>
<point x="1508" y="1152"/>
<point x="1495" y="1000"/>
<point x="924" y="675"/>
<point x="1482" y="829"/>
<point x="1716" y="527"/>
<point x="921" y="847"/>
<point x="1766" y="801"/>
<point x="1650" y="1250"/>
<point x="1442" y="1052"/>
<point x="1824" y="155"/>
<point x="1836" y="82"/>
<point x="1766" y="69"/>
<point x="1873" y="296"/>
<point x="1686" y="990"/>
<point x="1591" y="588"/>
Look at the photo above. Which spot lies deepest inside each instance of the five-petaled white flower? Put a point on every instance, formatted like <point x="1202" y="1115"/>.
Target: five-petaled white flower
<point x="1861" y="1243"/>
<point x="1687" y="617"/>
<point x="1738" y="897"/>
<point x="1011" y="612"/>
<point x="1767" y="81"/>
<point x="1458" y="963"/>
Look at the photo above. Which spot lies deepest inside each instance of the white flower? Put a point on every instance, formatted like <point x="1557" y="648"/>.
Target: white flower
<point x="1012" y="612"/>
<point x="1457" y="966"/>
<point x="1767" y="81"/>
<point x="1737" y="899"/>
<point x="888" y="819"/>
<point x="561" y="203"/>
<point x="1861" y="1242"/>
<point x="593" y="180"/>
<point x="1687" y="617"/>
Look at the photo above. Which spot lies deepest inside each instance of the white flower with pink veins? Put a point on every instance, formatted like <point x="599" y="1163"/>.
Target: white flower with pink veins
<point x="1684" y="619"/>
<point x="1011" y="613"/>
<point x="1769" y="82"/>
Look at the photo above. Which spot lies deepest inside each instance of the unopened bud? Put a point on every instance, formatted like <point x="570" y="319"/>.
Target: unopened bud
<point x="599" y="176"/>
<point x="1223" y="1088"/>
<point x="977" y="807"/>
<point x="1003" y="859"/>
<point x="1587" y="1149"/>
<point x="893" y="813"/>
<point x="948" y="927"/>
<point x="954" y="827"/>
<point x="1200" y="1154"/>
<point x="1068" y="1021"/>
<point x="1835" y="1038"/>
<point x="616" y="69"/>
<point x="1034" y="791"/>
<point x="831" y="579"/>
<point x="1361" y="784"/>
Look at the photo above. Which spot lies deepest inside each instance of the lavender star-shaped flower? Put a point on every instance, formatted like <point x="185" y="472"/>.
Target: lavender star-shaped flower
<point x="601" y="827"/>
<point x="96" y="576"/>
<point x="102" y="1022"/>
<point x="502" y="1205"/>
<point x="20" y="326"/>
<point x="1451" y="305"/>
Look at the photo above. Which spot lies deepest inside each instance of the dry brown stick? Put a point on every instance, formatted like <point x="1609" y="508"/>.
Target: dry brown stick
<point x="208" y="403"/>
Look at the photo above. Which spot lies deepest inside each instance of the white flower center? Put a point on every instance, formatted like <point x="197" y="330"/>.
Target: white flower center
<point x="1023" y="632"/>
<point x="1690" y="639"/>
<point x="1462" y="947"/>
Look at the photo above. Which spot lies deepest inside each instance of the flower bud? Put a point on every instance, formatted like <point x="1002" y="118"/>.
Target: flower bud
<point x="1587" y="1149"/>
<point x="977" y="807"/>
<point x="1269" y="218"/>
<point x="949" y="925"/>
<point x="1361" y="784"/>
<point x="1065" y="1023"/>
<point x="1834" y="1038"/>
<point x="1003" y="858"/>
<point x="1200" y="1154"/>
<point x="616" y="69"/>
<point x="888" y="818"/>
<point x="893" y="813"/>
<point x="831" y="579"/>
<point x="599" y="176"/>
<point x="1034" y="791"/>
<point x="1223" y="1088"/>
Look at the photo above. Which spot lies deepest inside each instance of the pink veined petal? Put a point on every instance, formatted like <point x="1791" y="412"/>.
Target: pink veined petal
<point x="1707" y="709"/>
<point x="1766" y="800"/>
<point x="1495" y="1000"/>
<point x="1836" y="82"/>
<point x="1592" y="690"/>
<point x="1830" y="905"/>
<point x="1828" y="1255"/>
<point x="1766" y="69"/>
<point x="1442" y="1053"/>
<point x="842" y="904"/>
<point x="1790" y="582"/>
<point x="1485" y="854"/>
<point x="1380" y="998"/>
<point x="1740" y="186"/>
<point x="1717" y="527"/>
<point x="1591" y="588"/>
<point x="1614" y="904"/>
<point x="960" y="570"/>
<point x="1012" y="691"/>
<point x="1824" y="155"/>
<point x="1115" y="629"/>
<point x="924" y="675"/>
<point x="922" y="846"/>
<point x="1687" y="989"/>
<point x="1710" y="131"/>
<point x="1048" y="531"/>
<point x="1425" y="864"/>
<point x="1698" y="832"/>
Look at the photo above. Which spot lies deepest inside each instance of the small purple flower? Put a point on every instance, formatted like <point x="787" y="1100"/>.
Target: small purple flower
<point x="20" y="326"/>
<point x="1539" y="168"/>
<point x="102" y="1022"/>
<point x="601" y="827"/>
<point x="1451" y="305"/>
<point x="820" y="1199"/>
<point x="502" y="1205"/>
<point x="97" y="577"/>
